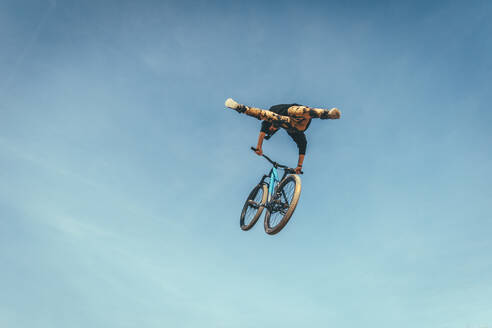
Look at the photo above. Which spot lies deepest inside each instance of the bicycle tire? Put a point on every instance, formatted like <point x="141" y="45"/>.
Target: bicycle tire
<point x="270" y="224"/>
<point x="249" y="219"/>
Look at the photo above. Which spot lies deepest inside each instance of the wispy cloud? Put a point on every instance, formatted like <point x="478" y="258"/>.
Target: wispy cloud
<point x="11" y="149"/>
<point x="123" y="175"/>
<point x="27" y="47"/>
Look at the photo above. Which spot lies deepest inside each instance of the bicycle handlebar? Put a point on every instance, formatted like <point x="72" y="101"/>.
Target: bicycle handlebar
<point x="275" y="163"/>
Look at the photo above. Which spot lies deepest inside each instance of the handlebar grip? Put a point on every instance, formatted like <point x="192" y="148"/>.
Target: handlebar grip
<point x="253" y="149"/>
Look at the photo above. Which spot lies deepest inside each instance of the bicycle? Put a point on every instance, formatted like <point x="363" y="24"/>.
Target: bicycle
<point x="278" y="196"/>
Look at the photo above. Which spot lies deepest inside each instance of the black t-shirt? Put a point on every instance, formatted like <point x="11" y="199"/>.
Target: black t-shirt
<point x="298" y="136"/>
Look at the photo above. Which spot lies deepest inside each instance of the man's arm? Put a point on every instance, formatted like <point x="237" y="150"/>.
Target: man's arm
<point x="301" y="141"/>
<point x="259" y="151"/>
<point x="299" y="163"/>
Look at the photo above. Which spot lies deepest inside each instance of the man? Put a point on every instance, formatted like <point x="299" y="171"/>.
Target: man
<point x="294" y="118"/>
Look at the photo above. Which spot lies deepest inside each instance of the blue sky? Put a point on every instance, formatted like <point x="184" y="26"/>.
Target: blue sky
<point x="123" y="175"/>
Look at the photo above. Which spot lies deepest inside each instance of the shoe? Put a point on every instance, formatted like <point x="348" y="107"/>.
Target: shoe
<point x="334" y="113"/>
<point x="234" y="105"/>
<point x="231" y="103"/>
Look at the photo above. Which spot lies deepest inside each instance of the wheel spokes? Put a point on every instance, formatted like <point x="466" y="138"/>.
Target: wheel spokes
<point x="283" y="199"/>
<point x="253" y="204"/>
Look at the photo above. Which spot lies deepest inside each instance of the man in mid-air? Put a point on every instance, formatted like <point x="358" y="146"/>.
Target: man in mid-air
<point x="294" y="118"/>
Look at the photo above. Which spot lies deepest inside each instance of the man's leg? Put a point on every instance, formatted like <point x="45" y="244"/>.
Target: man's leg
<point x="261" y="114"/>
<point x="308" y="112"/>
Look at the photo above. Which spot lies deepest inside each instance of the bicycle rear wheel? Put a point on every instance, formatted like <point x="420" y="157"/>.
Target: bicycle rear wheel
<point x="283" y="204"/>
<point x="253" y="207"/>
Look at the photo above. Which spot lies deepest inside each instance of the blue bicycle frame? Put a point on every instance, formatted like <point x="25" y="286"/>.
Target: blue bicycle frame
<point x="273" y="175"/>
<point x="273" y="180"/>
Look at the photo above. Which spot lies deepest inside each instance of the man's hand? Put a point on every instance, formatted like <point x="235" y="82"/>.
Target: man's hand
<point x="298" y="169"/>
<point x="258" y="151"/>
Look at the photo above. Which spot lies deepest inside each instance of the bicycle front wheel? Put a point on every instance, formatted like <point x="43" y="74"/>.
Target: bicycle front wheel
<point x="283" y="204"/>
<point x="253" y="207"/>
